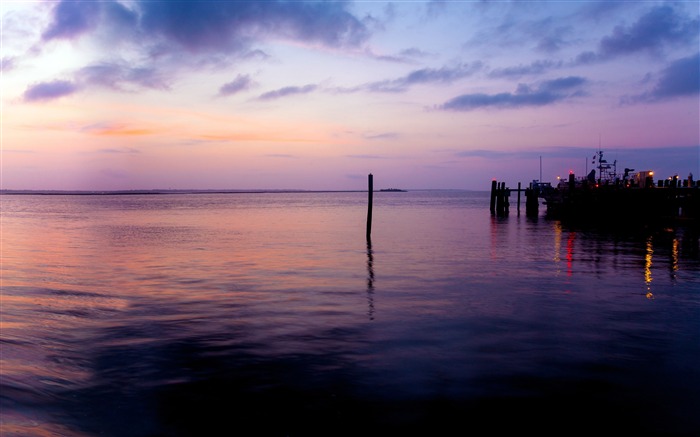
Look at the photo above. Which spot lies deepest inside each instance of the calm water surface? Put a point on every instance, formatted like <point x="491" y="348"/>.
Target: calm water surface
<point x="270" y="314"/>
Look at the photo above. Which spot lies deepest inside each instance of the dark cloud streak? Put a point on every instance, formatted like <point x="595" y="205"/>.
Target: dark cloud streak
<point x="681" y="78"/>
<point x="240" y="83"/>
<point x="201" y="26"/>
<point x="423" y="76"/>
<point x="545" y="93"/>
<point x="120" y="77"/>
<point x="656" y="30"/>
<point x="229" y="27"/>
<point x="45" y="91"/>
<point x="658" y="27"/>
<point x="287" y="91"/>
<point x="534" y="68"/>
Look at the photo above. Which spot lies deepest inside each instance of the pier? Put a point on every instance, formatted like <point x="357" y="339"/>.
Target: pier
<point x="500" y="199"/>
<point x="621" y="201"/>
<point x="609" y="197"/>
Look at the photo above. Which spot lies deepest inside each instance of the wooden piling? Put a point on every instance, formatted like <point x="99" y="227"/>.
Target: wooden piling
<point x="502" y="194"/>
<point x="531" y="202"/>
<point x="518" y="198"/>
<point x="493" y="196"/>
<point x="499" y="200"/>
<point x="370" y="191"/>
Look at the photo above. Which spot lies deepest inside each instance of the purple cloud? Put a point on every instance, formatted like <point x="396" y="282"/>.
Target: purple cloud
<point x="414" y="53"/>
<point x="113" y="76"/>
<point x="287" y="91"/>
<point x="545" y="93"/>
<point x="72" y="19"/>
<point x="201" y="26"/>
<point x="661" y="25"/>
<point x="190" y="33"/>
<point x="7" y="64"/>
<point x="382" y="136"/>
<point x="422" y="76"/>
<point x="240" y="83"/>
<point x="561" y="84"/>
<point x="681" y="78"/>
<point x="659" y="28"/>
<point x="49" y="90"/>
<point x="117" y="76"/>
<point x="535" y="67"/>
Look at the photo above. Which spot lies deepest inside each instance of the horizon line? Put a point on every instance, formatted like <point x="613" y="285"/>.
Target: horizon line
<point x="147" y="191"/>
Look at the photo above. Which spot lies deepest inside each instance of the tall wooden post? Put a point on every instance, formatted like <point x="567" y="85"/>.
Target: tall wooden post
<point x="502" y="200"/>
<point x="493" y="196"/>
<point x="370" y="190"/>
<point x="518" y="198"/>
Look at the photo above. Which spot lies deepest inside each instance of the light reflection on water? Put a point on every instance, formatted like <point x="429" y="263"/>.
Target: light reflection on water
<point x="193" y="313"/>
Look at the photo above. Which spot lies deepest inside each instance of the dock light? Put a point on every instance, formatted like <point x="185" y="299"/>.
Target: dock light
<point x="651" y="173"/>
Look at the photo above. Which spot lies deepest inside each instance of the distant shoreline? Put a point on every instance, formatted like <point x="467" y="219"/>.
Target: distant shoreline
<point x="176" y="191"/>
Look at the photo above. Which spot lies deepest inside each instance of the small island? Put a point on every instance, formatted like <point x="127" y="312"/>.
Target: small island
<point x="393" y="190"/>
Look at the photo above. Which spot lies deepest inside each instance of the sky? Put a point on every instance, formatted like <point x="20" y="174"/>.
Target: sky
<point x="144" y="94"/>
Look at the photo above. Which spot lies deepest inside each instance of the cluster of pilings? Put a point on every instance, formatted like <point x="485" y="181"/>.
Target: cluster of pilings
<point x="500" y="199"/>
<point x="500" y="203"/>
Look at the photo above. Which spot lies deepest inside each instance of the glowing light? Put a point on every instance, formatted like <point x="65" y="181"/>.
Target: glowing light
<point x="674" y="255"/>
<point x="647" y="268"/>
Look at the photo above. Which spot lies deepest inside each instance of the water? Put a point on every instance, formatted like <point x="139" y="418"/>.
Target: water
<point x="269" y="314"/>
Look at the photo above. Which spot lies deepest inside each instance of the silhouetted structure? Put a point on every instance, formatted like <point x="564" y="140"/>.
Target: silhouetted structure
<point x="609" y="198"/>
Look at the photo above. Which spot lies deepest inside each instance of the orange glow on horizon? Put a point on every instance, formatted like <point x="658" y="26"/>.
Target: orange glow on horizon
<point x="120" y="131"/>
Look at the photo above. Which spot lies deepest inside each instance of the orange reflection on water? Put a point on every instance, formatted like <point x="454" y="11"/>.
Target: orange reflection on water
<point x="647" y="267"/>
<point x="674" y="255"/>
<point x="570" y="244"/>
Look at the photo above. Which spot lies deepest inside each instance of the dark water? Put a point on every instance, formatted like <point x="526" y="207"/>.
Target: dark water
<point x="269" y="314"/>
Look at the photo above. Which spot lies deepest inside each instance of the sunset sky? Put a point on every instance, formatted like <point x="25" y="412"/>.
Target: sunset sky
<point x="102" y="95"/>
